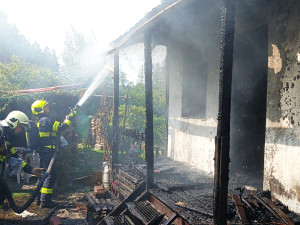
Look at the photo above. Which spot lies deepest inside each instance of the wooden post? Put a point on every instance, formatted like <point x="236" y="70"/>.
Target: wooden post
<point x="124" y="123"/>
<point x="149" y="111"/>
<point x="115" y="146"/>
<point x="222" y="140"/>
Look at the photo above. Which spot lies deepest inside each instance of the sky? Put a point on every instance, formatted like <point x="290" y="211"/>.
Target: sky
<point x="48" y="21"/>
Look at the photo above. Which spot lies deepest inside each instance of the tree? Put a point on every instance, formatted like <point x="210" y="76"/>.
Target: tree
<point x="19" y="75"/>
<point x="81" y="59"/>
<point x="13" y="43"/>
<point x="136" y="117"/>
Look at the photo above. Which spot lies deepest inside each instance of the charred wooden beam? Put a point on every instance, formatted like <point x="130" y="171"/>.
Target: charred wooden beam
<point x="269" y="206"/>
<point x="149" y="155"/>
<point x="145" y="211"/>
<point x="92" y="202"/>
<point x="98" y="202"/>
<point x="125" y="187"/>
<point x="223" y="130"/>
<point x="171" y="219"/>
<point x="115" y="146"/>
<point x="157" y="220"/>
<point x="126" y="182"/>
<point x="122" y="206"/>
<point x="121" y="191"/>
<point x="280" y="213"/>
<point x="240" y="209"/>
<point x="251" y="211"/>
<point x="254" y="202"/>
<point x="129" y="177"/>
<point x="162" y="206"/>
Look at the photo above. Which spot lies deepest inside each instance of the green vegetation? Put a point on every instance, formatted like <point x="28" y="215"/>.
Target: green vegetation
<point x="27" y="66"/>
<point x="22" y="193"/>
<point x="13" y="43"/>
<point x="87" y="161"/>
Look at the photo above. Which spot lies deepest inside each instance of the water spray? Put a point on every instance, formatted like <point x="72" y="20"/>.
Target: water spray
<point x="96" y="82"/>
<point x="4" y="189"/>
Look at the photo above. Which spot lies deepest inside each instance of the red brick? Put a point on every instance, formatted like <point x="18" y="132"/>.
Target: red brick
<point x="99" y="191"/>
<point x="54" y="220"/>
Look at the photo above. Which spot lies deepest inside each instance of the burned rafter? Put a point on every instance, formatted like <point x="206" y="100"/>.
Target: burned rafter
<point x="271" y="207"/>
<point x="92" y="202"/>
<point x="145" y="211"/>
<point x="280" y="213"/>
<point x="240" y="208"/>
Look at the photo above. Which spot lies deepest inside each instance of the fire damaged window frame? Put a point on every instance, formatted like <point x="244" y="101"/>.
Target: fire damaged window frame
<point x="194" y="91"/>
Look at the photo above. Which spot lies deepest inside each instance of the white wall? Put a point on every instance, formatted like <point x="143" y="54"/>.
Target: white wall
<point x="192" y="140"/>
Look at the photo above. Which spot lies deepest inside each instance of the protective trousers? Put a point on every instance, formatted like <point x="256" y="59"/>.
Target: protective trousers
<point x="47" y="188"/>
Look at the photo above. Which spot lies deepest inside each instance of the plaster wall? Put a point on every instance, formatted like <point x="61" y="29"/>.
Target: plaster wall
<point x="191" y="140"/>
<point x="282" y="146"/>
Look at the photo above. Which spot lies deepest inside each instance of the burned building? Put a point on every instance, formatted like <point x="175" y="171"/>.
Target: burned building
<point x="265" y="91"/>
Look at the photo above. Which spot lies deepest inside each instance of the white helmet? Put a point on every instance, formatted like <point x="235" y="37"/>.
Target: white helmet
<point x="14" y="119"/>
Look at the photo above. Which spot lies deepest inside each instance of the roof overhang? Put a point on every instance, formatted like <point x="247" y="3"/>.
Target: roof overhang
<point x="136" y="33"/>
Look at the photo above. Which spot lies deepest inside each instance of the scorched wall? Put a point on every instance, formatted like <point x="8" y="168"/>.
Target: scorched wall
<point x="282" y="146"/>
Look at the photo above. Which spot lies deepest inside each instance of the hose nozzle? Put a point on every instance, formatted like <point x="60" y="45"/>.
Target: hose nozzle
<point x="73" y="110"/>
<point x="76" y="107"/>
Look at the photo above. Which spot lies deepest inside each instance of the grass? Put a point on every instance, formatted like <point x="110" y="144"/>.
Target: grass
<point x="20" y="193"/>
<point x="87" y="161"/>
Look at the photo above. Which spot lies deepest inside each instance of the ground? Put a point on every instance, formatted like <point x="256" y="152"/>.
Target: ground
<point x="71" y="199"/>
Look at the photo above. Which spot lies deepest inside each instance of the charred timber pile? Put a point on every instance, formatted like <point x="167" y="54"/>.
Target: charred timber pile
<point x="101" y="201"/>
<point x="189" y="193"/>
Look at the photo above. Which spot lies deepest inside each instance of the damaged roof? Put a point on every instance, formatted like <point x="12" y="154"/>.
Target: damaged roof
<point x="135" y="34"/>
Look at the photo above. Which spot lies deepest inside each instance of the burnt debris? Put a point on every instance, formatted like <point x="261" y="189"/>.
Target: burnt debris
<point x="184" y="195"/>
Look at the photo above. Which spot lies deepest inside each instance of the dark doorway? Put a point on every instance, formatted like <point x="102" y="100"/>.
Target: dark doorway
<point x="194" y="83"/>
<point x="248" y="106"/>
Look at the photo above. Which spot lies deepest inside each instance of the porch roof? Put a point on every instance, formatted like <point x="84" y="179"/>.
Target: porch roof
<point x="135" y="34"/>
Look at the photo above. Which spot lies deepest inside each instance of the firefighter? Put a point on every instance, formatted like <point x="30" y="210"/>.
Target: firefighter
<point x="11" y="126"/>
<point x="49" y="131"/>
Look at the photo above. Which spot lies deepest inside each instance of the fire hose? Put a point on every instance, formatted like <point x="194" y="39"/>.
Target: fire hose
<point x="5" y="189"/>
<point x="10" y="199"/>
<point x="7" y="192"/>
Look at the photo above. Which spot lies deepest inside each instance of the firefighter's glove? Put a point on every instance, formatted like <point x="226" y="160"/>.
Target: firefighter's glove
<point x="71" y="115"/>
<point x="37" y="172"/>
<point x="20" y="150"/>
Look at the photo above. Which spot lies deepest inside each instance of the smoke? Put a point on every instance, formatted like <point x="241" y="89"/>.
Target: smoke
<point x="83" y="57"/>
<point x="132" y="61"/>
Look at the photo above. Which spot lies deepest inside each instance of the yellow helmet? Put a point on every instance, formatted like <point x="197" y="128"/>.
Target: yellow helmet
<point x="38" y="107"/>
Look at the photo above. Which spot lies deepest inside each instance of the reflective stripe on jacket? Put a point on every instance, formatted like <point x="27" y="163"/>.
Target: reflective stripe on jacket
<point x="48" y="129"/>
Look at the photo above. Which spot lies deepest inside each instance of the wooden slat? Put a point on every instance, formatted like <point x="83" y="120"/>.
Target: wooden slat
<point x="129" y="177"/>
<point x="126" y="181"/>
<point x="92" y="202"/>
<point x="283" y="216"/>
<point x="240" y="209"/>
<point x="171" y="219"/>
<point x="93" y="195"/>
<point x="268" y="207"/>
<point x="254" y="201"/>
<point x="124" y="186"/>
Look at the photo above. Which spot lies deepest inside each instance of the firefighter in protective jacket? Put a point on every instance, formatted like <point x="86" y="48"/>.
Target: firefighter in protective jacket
<point x="49" y="130"/>
<point x="9" y="127"/>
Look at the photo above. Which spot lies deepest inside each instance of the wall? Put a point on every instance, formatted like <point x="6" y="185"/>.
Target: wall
<point x="282" y="147"/>
<point x="191" y="140"/>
